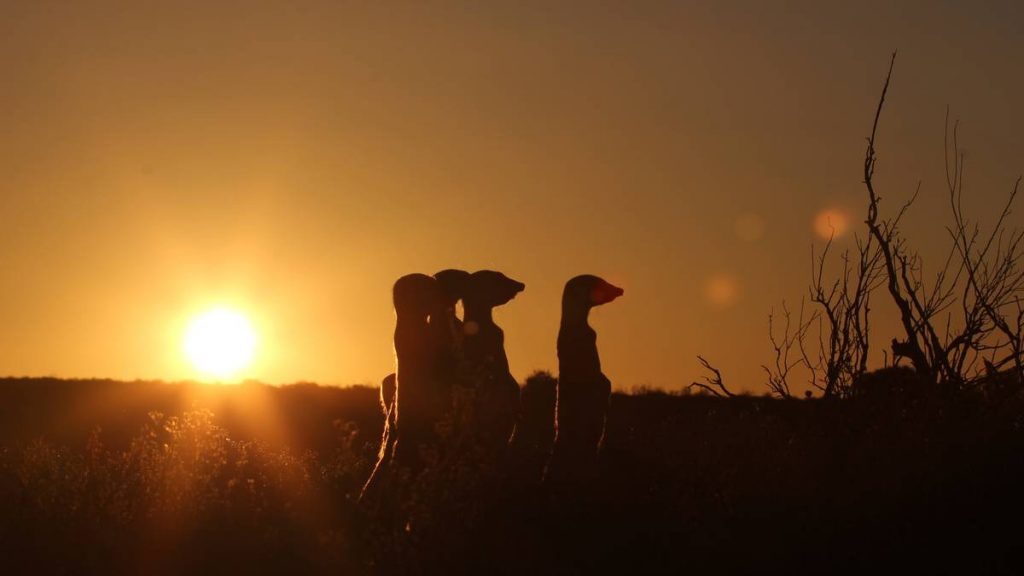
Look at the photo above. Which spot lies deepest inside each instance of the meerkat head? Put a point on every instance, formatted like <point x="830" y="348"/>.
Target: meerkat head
<point x="416" y="295"/>
<point x="588" y="291"/>
<point x="453" y="284"/>
<point x="490" y="288"/>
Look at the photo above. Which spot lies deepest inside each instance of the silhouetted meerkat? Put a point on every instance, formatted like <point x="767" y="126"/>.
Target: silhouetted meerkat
<point x="452" y="368"/>
<point x="419" y="402"/>
<point x="535" y="431"/>
<point x="408" y="397"/>
<point x="583" y="390"/>
<point x="447" y="329"/>
<point x="445" y="332"/>
<point x="497" y="392"/>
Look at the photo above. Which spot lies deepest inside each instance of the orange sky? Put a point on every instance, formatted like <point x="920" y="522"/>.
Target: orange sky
<point x="293" y="159"/>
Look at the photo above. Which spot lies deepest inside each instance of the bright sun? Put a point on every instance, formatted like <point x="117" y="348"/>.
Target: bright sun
<point x="220" y="343"/>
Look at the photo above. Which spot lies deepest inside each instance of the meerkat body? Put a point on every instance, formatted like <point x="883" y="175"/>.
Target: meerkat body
<point x="419" y="400"/>
<point x="497" y="392"/>
<point x="409" y="398"/>
<point x="447" y="332"/>
<point x="583" y="390"/>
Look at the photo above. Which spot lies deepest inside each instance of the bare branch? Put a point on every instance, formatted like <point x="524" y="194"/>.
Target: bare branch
<point x="712" y="384"/>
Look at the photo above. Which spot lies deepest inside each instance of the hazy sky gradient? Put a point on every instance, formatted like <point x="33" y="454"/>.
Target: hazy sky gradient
<point x="293" y="159"/>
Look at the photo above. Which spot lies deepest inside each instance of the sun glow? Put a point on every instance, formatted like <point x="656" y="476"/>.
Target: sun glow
<point x="220" y="343"/>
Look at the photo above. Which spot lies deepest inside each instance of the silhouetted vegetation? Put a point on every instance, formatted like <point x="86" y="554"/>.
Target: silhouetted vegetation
<point x="116" y="477"/>
<point x="962" y="325"/>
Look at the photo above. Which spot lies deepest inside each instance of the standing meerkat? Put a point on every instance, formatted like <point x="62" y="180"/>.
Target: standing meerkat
<point x="409" y="399"/>
<point x="497" y="392"/>
<point x="583" y="390"/>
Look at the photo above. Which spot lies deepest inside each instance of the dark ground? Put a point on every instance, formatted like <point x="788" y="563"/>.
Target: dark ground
<point x="253" y="479"/>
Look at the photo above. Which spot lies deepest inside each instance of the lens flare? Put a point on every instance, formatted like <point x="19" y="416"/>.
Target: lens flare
<point x="831" y="223"/>
<point x="721" y="290"/>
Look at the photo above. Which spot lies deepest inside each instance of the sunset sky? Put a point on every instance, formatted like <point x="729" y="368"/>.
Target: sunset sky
<point x="290" y="160"/>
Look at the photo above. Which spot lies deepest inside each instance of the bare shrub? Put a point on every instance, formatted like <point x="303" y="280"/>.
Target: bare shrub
<point x="959" y="325"/>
